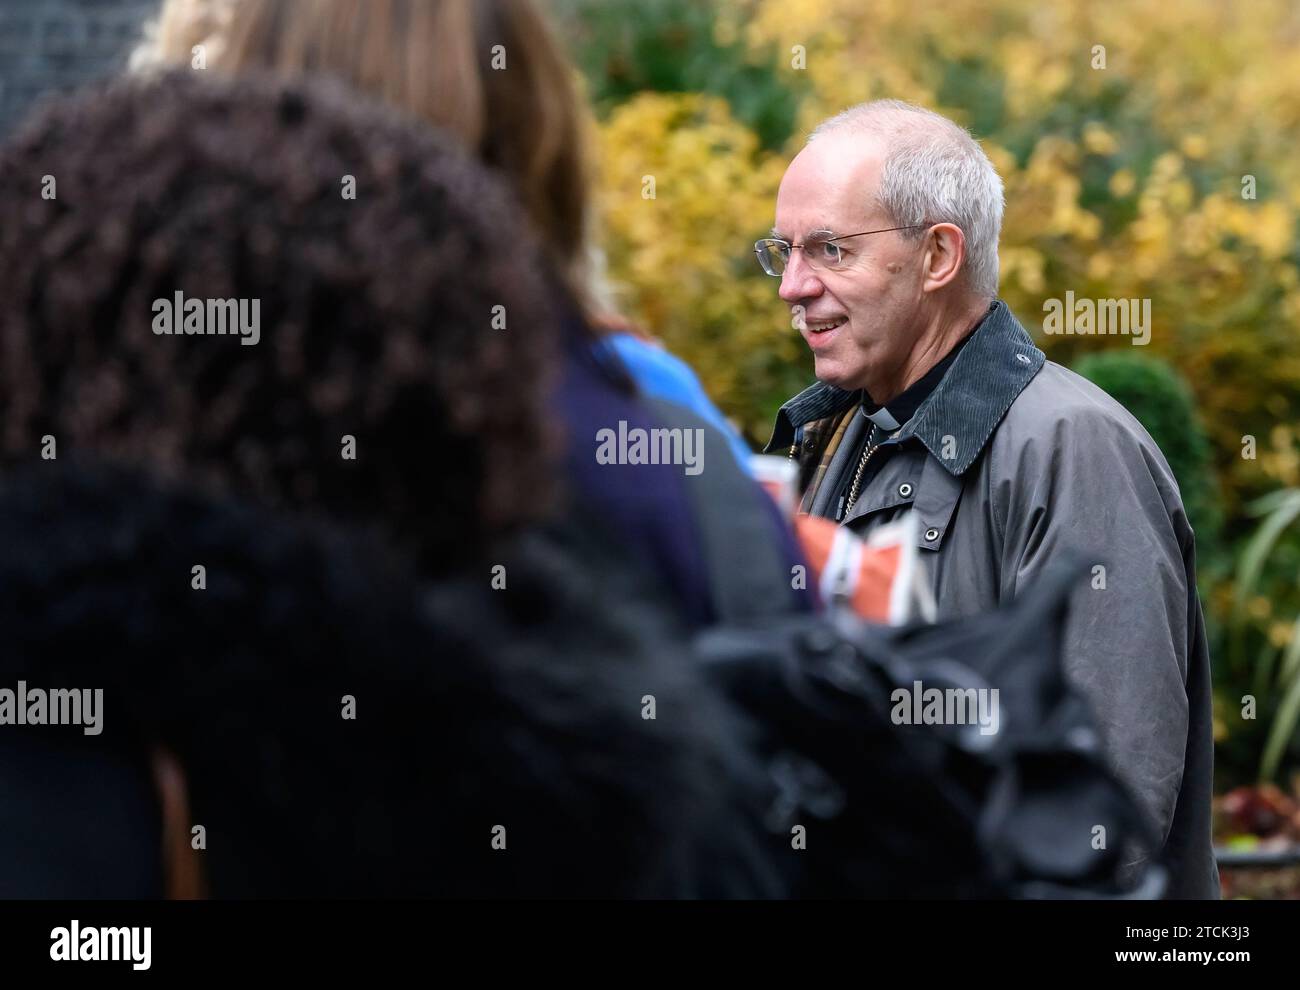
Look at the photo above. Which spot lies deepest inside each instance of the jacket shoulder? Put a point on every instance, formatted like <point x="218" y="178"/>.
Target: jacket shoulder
<point x="1064" y="424"/>
<point x="1059" y="402"/>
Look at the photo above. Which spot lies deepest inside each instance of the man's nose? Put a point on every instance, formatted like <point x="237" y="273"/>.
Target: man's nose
<point x="799" y="281"/>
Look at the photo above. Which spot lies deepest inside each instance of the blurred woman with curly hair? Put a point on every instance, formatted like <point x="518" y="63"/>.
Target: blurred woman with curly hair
<point x="378" y="389"/>
<point x="491" y="73"/>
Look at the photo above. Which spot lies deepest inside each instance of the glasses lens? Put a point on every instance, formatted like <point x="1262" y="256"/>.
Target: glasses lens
<point x="772" y="255"/>
<point x="822" y="254"/>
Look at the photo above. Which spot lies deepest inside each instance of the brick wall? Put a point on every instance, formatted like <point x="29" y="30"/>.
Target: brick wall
<point x="55" y="45"/>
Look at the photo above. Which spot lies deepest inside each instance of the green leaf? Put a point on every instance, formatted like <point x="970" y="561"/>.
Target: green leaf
<point x="1265" y="504"/>
<point x="1260" y="546"/>
<point x="1291" y="658"/>
<point x="1264" y="668"/>
<point x="1281" y="731"/>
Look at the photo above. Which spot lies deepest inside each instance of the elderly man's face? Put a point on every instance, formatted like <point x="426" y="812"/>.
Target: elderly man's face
<point x="860" y="319"/>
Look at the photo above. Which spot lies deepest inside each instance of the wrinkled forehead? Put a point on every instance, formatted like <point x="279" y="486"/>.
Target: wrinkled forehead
<point x="830" y="187"/>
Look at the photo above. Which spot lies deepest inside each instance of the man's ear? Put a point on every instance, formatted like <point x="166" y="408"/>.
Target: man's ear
<point x="182" y="871"/>
<point x="943" y="256"/>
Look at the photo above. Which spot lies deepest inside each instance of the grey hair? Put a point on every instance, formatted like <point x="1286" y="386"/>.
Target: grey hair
<point x="934" y="172"/>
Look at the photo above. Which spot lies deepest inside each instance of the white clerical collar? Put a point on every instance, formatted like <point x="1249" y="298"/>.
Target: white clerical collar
<point x="882" y="418"/>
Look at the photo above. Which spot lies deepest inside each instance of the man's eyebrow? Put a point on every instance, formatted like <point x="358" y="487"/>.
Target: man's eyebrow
<point x="821" y="232"/>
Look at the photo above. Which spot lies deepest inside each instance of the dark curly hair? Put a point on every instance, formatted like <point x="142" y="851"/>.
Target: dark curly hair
<point x="474" y="708"/>
<point x="377" y="312"/>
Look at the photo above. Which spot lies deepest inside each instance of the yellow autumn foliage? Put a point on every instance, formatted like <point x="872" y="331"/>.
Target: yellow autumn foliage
<point x="1148" y="150"/>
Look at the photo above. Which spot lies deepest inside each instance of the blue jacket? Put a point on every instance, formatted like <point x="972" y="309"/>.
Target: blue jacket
<point x="716" y="539"/>
<point x="662" y="375"/>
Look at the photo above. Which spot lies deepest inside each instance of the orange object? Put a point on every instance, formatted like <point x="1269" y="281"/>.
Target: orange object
<point x="846" y="567"/>
<point x="880" y="578"/>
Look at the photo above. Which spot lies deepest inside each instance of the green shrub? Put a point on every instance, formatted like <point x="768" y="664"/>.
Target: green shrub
<point x="672" y="46"/>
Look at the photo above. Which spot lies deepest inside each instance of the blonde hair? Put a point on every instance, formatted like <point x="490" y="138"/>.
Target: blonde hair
<point x="181" y="26"/>
<point x="490" y="72"/>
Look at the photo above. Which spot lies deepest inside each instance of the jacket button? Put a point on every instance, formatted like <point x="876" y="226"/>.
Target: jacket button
<point x="931" y="535"/>
<point x="905" y="489"/>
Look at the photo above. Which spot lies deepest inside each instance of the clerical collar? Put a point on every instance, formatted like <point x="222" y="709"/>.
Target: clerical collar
<point x="901" y="408"/>
<point x="881" y="417"/>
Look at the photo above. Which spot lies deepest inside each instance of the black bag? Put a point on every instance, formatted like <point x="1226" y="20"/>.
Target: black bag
<point x="935" y="810"/>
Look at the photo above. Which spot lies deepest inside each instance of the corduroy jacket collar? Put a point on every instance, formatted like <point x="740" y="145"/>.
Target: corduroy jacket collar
<point x="967" y="405"/>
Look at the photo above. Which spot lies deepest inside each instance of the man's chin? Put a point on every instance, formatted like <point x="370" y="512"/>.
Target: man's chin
<point x="830" y="372"/>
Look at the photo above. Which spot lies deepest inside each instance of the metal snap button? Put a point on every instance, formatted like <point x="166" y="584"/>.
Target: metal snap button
<point x="905" y="489"/>
<point x="1023" y="358"/>
<point x="931" y="535"/>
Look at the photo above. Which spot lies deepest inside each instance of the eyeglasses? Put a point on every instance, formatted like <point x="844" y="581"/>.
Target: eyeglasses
<point x="820" y="252"/>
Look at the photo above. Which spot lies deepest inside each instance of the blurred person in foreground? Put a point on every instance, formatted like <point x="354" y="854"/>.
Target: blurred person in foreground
<point x="932" y="399"/>
<point x="313" y="682"/>
<point x="490" y="73"/>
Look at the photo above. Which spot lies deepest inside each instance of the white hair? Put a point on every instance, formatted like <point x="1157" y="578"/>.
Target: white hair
<point x="934" y="172"/>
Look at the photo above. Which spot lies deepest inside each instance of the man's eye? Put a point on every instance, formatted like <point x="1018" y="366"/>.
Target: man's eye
<point x="826" y="251"/>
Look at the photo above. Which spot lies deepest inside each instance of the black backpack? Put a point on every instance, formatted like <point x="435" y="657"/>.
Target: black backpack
<point x="935" y="810"/>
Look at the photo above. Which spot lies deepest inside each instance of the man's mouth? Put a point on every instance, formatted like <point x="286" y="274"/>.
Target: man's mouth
<point x="824" y="326"/>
